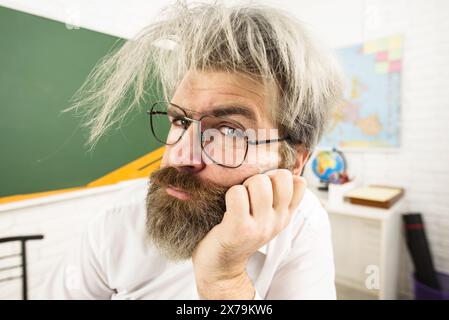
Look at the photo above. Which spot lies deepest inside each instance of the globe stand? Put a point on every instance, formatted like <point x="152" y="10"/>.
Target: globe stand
<point x="324" y="186"/>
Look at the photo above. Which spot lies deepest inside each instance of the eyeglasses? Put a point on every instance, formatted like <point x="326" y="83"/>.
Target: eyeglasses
<point x="223" y="140"/>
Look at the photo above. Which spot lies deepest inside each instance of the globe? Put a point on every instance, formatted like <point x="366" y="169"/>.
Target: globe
<point x="327" y="164"/>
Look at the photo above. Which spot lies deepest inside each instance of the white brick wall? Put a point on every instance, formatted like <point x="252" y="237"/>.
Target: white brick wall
<point x="420" y="165"/>
<point x="61" y="219"/>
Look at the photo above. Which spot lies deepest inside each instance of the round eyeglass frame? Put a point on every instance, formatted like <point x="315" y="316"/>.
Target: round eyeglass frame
<point x="151" y="112"/>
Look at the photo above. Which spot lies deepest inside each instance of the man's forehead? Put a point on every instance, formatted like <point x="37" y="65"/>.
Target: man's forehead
<point x="203" y="91"/>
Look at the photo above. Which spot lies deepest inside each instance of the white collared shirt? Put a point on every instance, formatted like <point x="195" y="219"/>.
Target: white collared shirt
<point x="112" y="260"/>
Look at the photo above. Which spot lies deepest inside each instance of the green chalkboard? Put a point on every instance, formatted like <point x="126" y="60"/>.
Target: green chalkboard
<point x="42" y="64"/>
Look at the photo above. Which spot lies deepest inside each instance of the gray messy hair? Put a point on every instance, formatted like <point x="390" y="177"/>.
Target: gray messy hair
<point x="260" y="42"/>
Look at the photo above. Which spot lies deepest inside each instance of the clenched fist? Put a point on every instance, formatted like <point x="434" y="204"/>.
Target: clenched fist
<point x="256" y="211"/>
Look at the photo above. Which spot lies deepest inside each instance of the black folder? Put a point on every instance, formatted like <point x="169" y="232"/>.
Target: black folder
<point x="418" y="247"/>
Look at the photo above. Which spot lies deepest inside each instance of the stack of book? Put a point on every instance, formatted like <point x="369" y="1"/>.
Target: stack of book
<point x="375" y="196"/>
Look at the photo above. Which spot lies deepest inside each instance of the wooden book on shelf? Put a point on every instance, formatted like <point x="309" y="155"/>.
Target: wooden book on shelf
<point x="375" y="196"/>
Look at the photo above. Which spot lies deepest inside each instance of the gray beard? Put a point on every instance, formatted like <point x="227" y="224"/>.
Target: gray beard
<point x="176" y="226"/>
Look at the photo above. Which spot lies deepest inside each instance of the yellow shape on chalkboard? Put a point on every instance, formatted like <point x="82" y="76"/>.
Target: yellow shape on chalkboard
<point x="139" y="168"/>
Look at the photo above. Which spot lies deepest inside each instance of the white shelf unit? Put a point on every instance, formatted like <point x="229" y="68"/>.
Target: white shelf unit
<point x="366" y="243"/>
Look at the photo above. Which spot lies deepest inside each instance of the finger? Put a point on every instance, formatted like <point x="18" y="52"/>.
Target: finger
<point x="282" y="183"/>
<point x="237" y="202"/>
<point x="299" y="188"/>
<point x="260" y="194"/>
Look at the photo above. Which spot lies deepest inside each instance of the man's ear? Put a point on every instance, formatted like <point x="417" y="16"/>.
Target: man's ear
<point x="302" y="155"/>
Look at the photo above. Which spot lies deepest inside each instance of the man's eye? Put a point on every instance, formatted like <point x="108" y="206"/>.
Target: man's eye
<point x="231" y="132"/>
<point x="179" y="122"/>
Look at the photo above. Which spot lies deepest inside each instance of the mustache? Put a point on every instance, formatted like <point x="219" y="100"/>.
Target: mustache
<point x="188" y="182"/>
<point x="176" y="226"/>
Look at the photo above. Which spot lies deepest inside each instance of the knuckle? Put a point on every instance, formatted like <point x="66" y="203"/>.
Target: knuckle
<point x="250" y="180"/>
<point x="283" y="173"/>
<point x="282" y="177"/>
<point x="235" y="189"/>
<point x="258" y="180"/>
<point x="286" y="177"/>
<point x="261" y="178"/>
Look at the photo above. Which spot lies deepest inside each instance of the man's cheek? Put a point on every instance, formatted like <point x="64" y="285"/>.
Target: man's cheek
<point x="264" y="159"/>
<point x="238" y="175"/>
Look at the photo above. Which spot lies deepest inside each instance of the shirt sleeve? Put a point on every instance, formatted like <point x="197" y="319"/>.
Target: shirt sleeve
<point x="79" y="275"/>
<point x="308" y="272"/>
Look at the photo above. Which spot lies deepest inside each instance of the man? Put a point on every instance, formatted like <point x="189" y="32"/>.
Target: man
<point x="247" y="95"/>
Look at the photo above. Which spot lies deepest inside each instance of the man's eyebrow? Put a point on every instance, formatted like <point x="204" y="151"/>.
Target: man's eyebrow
<point x="220" y="111"/>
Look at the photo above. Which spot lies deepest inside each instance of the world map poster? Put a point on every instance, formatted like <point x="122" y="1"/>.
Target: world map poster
<point x="369" y="115"/>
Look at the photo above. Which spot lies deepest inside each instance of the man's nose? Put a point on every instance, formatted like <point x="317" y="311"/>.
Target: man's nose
<point x="186" y="154"/>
